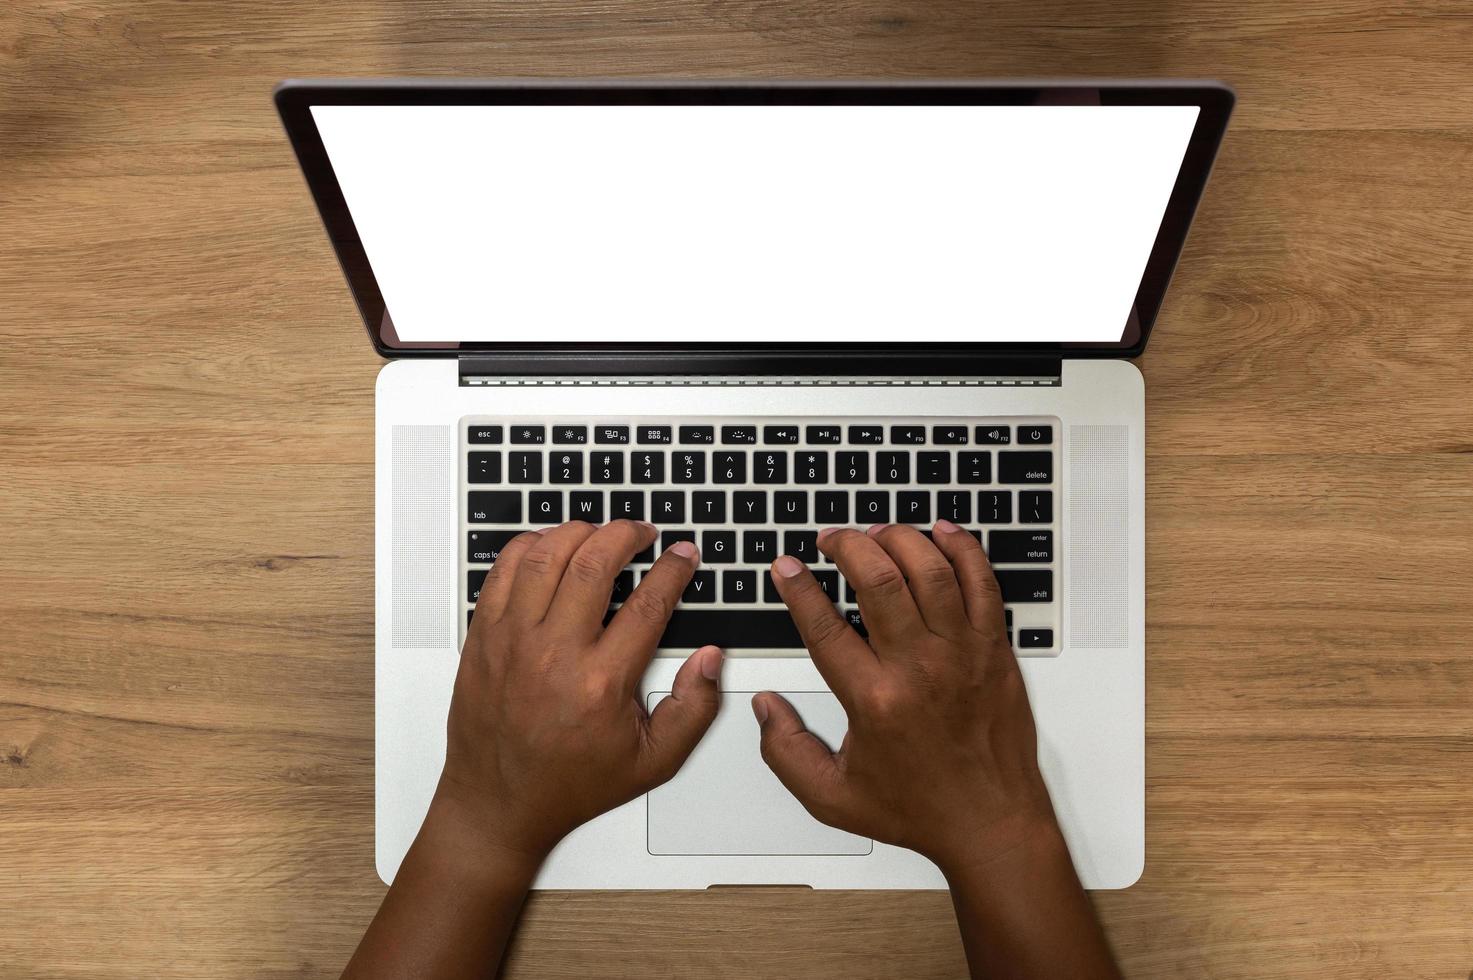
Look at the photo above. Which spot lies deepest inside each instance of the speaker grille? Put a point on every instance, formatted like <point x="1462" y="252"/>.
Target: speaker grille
<point x="424" y="545"/>
<point x="1099" y="536"/>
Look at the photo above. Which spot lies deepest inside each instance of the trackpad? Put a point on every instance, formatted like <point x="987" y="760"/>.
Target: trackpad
<point x="725" y="800"/>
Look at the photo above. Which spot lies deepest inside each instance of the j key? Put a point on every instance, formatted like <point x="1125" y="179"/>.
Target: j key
<point x="474" y="579"/>
<point x="829" y="582"/>
<point x="1025" y="467"/>
<point x="790" y="507"/>
<point x="759" y="547"/>
<point x="851" y="467"/>
<point x="802" y="545"/>
<point x="994" y="435"/>
<point x="586" y="505"/>
<point x="779" y="433"/>
<point x="913" y="507"/>
<point x="1020" y="546"/>
<point x="718" y="547"/>
<point x="1026" y="584"/>
<point x="872" y="507"/>
<point x="824" y="434"/>
<point x="623" y="585"/>
<point x="566" y="467"/>
<point x="1035" y="506"/>
<point x="611" y="435"/>
<point x="811" y="467"/>
<point x="954" y="505"/>
<point x="667" y="538"/>
<point x="892" y="467"/>
<point x="866" y="435"/>
<point x="708" y="506"/>
<point x="667" y="506"/>
<point x="831" y="507"/>
<point x="702" y="587"/>
<point x="626" y="505"/>
<point x="545" y="506"/>
<point x="484" y="547"/>
<point x="749" y="507"/>
<point x="485" y="435"/>
<point x="1035" y="639"/>
<point x="770" y="467"/>
<point x="606" y="468"/>
<point x="732" y="629"/>
<point x="742" y="435"/>
<point x="654" y="435"/>
<point x="688" y="467"/>
<point x="647" y="467"/>
<point x="483" y="468"/>
<point x="739" y="586"/>
<point x="729" y="467"/>
<point x="949" y="435"/>
<point x="702" y="434"/>
<point x="994" y="507"/>
<point x="528" y="435"/>
<point x="524" y="467"/>
<point x="974" y="468"/>
<point x="933" y="467"/>
<point x="852" y="617"/>
<point x="570" y="435"/>
<point x="908" y="435"/>
<point x="1035" y="435"/>
<point x="495" y="507"/>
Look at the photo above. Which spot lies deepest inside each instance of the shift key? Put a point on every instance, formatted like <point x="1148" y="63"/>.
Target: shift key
<point x="1026" y="584"/>
<point x="1025" y="467"/>
<point x="1020" y="547"/>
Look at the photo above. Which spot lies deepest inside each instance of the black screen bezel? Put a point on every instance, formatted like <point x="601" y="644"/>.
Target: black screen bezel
<point x="294" y="100"/>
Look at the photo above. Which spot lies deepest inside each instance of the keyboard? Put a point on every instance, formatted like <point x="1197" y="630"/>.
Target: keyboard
<point x="747" y="490"/>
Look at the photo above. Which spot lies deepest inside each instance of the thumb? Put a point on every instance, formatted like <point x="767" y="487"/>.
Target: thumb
<point x="678" y="722"/>
<point x="795" y="755"/>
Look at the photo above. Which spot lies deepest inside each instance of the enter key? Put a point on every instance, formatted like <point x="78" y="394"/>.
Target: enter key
<point x="1020" y="547"/>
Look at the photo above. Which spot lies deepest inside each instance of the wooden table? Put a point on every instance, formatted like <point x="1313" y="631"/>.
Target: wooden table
<point x="186" y="712"/>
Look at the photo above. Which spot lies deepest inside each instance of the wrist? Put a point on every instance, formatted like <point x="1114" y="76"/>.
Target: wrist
<point x="1007" y="852"/>
<point x="480" y="838"/>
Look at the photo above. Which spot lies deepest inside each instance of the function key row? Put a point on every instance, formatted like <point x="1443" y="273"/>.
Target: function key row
<point x="813" y="435"/>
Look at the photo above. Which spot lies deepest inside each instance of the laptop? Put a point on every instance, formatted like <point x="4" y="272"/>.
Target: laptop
<point x="744" y="312"/>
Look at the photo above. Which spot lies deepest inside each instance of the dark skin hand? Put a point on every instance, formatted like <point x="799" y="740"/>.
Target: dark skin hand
<point x="940" y="756"/>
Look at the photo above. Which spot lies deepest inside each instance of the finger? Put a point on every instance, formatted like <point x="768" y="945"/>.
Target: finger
<point x="799" y="760"/>
<point x="541" y="570"/>
<point x="839" y="653"/>
<point x="978" y="585"/>
<point x="634" y="632"/>
<point x="492" y="602"/>
<point x="679" y="721"/>
<point x="930" y="576"/>
<point x="889" y="610"/>
<point x="582" y="598"/>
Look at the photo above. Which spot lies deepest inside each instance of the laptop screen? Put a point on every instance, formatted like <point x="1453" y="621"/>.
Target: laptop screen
<point x="756" y="224"/>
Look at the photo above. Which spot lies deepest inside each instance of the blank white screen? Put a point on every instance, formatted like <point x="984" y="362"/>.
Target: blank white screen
<point x="860" y="224"/>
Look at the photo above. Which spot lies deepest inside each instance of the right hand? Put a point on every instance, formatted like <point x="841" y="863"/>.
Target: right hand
<point x="941" y="755"/>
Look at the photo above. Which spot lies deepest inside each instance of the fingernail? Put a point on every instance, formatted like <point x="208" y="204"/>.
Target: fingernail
<point x="541" y="530"/>
<point x="711" y="663"/>
<point x="787" y="566"/>
<point x="685" y="549"/>
<point x="945" y="526"/>
<point x="759" y="708"/>
<point x="876" y="529"/>
<point x="825" y="532"/>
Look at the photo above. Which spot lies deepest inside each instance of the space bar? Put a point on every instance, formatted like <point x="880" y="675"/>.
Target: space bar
<point x="756" y="629"/>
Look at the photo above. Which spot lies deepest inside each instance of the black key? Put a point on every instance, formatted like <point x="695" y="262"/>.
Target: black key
<point x="849" y="593"/>
<point x="667" y="538"/>
<point x="892" y="467"/>
<point x="702" y="587"/>
<point x="811" y="467"/>
<point x="769" y="589"/>
<point x="623" y="585"/>
<point x="908" y="435"/>
<point x="749" y="507"/>
<point x="1025" y="467"/>
<point x="474" y="579"/>
<point x="739" y="586"/>
<point x="802" y="545"/>
<point x="485" y="435"/>
<point x="1035" y="506"/>
<point x="770" y="467"/>
<point x="718" y="547"/>
<point x="1035" y="435"/>
<point x="469" y="615"/>
<point x="484" y="547"/>
<point x="933" y="467"/>
<point x="851" y="467"/>
<point x="729" y="467"/>
<point x="831" y="507"/>
<point x="974" y="468"/>
<point x="586" y="505"/>
<point x="626" y="505"/>
<point x="732" y="629"/>
<point x="483" y="467"/>
<point x="524" y="468"/>
<point x="913" y="507"/>
<point x="779" y="433"/>
<point x="994" y="506"/>
<point x="744" y="435"/>
<point x="545" y="506"/>
<point x="654" y="435"/>
<point x="790" y="507"/>
<point x="565" y="467"/>
<point x="1026" y="584"/>
<point x="708" y="506"/>
<point x="954" y="506"/>
<point x="702" y="434"/>
<point x="606" y="468"/>
<point x="852" y="617"/>
<point x="949" y="435"/>
<point x="1008" y="618"/>
<point x="645" y="557"/>
<point x="994" y="435"/>
<point x="528" y="435"/>
<point x="688" y="467"/>
<point x="495" y="507"/>
<point x="1035" y="638"/>
<point x="611" y="435"/>
<point x="818" y="435"/>
<point x="866" y="435"/>
<point x="872" y="507"/>
<point x="829" y="582"/>
<point x="647" y="467"/>
<point x="1005" y="547"/>
<point x="759" y="547"/>
<point x="569" y="435"/>
<point x="667" y="507"/>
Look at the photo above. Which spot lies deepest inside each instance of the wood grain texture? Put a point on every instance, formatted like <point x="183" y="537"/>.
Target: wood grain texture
<point x="186" y="754"/>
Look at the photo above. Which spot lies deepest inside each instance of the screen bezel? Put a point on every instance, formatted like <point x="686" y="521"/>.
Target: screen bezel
<point x="295" y="99"/>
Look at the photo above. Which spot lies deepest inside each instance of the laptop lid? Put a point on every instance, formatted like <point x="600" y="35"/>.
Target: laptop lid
<point x="758" y="227"/>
